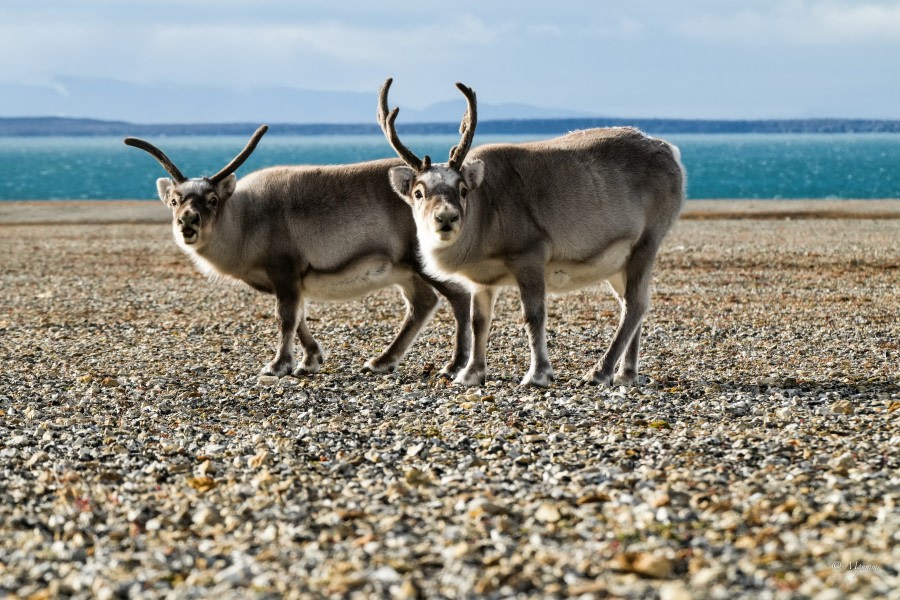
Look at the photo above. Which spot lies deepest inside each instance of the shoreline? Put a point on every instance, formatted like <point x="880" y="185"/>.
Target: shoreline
<point x="87" y="212"/>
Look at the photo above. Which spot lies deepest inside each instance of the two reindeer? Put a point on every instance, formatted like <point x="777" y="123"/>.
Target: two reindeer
<point x="546" y="217"/>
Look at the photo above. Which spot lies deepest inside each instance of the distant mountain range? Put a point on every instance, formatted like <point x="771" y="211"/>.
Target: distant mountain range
<point x="53" y="126"/>
<point x="123" y="101"/>
<point x="203" y="110"/>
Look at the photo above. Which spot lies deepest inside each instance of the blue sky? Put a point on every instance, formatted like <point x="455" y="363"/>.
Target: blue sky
<point x="642" y="58"/>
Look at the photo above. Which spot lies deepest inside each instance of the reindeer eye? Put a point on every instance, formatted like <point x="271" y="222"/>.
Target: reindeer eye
<point x="418" y="194"/>
<point x="174" y="202"/>
<point x="463" y="192"/>
<point x="213" y="200"/>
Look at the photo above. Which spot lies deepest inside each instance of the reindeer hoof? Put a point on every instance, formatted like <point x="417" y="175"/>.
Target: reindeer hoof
<point x="471" y="377"/>
<point x="374" y="366"/>
<point x="595" y="377"/>
<point x="538" y="378"/>
<point x="277" y="368"/>
<point x="309" y="366"/>
<point x="450" y="371"/>
<point x="628" y="378"/>
<point x="306" y="370"/>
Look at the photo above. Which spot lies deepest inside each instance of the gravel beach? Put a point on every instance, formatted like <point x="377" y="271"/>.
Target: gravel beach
<point x="143" y="457"/>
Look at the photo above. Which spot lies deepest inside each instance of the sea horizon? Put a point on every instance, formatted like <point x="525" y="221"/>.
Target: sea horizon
<point x="751" y="165"/>
<point x="51" y="126"/>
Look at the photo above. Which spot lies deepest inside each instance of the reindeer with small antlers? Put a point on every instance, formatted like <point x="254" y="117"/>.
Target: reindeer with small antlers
<point x="318" y="232"/>
<point x="548" y="216"/>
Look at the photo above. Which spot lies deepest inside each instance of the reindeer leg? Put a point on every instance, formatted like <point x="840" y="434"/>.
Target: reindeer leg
<point x="286" y="312"/>
<point x="628" y="364"/>
<point x="313" y="356"/>
<point x="421" y="302"/>
<point x="534" y="310"/>
<point x="461" y="303"/>
<point x="635" y="302"/>
<point x="475" y="372"/>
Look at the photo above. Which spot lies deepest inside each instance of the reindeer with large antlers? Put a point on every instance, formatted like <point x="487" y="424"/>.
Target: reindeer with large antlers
<point x="318" y="232"/>
<point x="548" y="216"/>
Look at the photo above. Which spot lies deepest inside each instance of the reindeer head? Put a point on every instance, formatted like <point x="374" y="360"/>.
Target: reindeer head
<point x="196" y="203"/>
<point x="437" y="193"/>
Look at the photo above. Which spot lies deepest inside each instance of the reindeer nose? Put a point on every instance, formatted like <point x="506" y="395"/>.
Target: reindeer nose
<point x="189" y="219"/>
<point x="446" y="217"/>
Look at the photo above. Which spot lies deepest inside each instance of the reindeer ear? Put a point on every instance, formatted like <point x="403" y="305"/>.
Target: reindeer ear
<point x="163" y="185"/>
<point x="401" y="181"/>
<point x="225" y="188"/>
<point x="473" y="173"/>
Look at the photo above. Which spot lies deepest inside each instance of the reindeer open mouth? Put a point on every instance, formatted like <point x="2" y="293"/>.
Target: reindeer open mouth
<point x="189" y="234"/>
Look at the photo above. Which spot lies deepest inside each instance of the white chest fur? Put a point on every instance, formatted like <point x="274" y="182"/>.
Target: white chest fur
<point x="559" y="275"/>
<point x="354" y="280"/>
<point x="564" y="276"/>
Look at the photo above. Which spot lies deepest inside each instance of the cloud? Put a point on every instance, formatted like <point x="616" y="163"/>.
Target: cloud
<point x="341" y="40"/>
<point x="802" y="22"/>
<point x="325" y="53"/>
<point x="591" y="56"/>
<point x="859" y="22"/>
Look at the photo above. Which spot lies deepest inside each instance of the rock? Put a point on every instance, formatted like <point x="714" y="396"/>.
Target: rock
<point x="674" y="590"/>
<point x="482" y="506"/>
<point x="415" y="477"/>
<point x="843" y="462"/>
<point x="592" y="497"/>
<point x="414" y="450"/>
<point x="203" y="483"/>
<point x="234" y="575"/>
<point x="659" y="500"/>
<point x="153" y="525"/>
<point x="643" y="563"/>
<point x="205" y="515"/>
<point x="842" y="407"/>
<point x="37" y="458"/>
<point x="259" y="459"/>
<point x="547" y="513"/>
<point x="405" y="591"/>
<point x="385" y="574"/>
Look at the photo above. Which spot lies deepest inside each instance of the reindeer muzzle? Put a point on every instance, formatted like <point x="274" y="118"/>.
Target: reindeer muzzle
<point x="190" y="227"/>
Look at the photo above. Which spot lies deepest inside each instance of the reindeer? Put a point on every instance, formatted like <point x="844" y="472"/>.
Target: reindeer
<point x="547" y="216"/>
<point x="298" y="232"/>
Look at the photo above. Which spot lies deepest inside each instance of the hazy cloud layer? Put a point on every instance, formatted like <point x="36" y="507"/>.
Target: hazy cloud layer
<point x="769" y="58"/>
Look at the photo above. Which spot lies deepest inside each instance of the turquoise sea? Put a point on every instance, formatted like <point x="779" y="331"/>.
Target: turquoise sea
<point x="718" y="165"/>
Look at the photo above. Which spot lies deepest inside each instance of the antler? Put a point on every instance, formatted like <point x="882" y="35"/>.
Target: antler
<point x="159" y="155"/>
<point x="176" y="174"/>
<point x="386" y="120"/>
<point x="466" y="129"/>
<point x="238" y="160"/>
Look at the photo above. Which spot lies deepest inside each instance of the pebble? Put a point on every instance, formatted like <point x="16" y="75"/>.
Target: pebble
<point x="643" y="563"/>
<point x="547" y="513"/>
<point x="674" y="590"/>
<point x="842" y="407"/>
